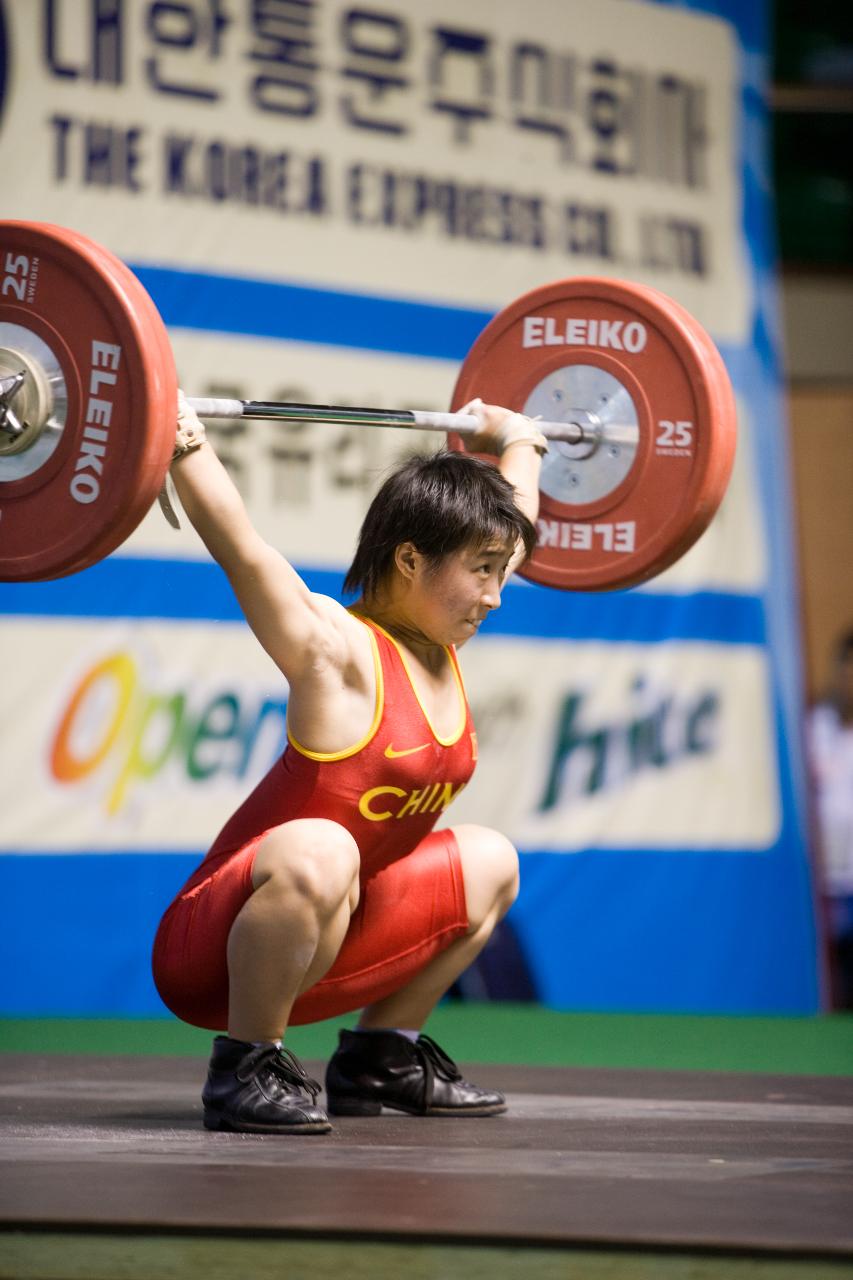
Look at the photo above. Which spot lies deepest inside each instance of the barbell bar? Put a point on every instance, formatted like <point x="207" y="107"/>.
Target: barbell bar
<point x="571" y="432"/>
<point x="628" y="387"/>
<point x="21" y="425"/>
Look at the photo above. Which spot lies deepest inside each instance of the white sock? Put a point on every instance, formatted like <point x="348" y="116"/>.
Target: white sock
<point x="397" y="1031"/>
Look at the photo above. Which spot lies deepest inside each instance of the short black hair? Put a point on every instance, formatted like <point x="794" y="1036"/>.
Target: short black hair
<point x="439" y="502"/>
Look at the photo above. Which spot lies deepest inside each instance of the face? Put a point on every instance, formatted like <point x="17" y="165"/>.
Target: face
<point x="455" y="597"/>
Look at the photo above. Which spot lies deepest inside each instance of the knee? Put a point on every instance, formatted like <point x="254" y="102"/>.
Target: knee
<point x="508" y="874"/>
<point x="313" y="861"/>
<point x="491" y="873"/>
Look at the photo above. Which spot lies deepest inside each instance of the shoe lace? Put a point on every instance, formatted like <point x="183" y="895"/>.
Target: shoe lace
<point x="282" y="1064"/>
<point x="435" y="1062"/>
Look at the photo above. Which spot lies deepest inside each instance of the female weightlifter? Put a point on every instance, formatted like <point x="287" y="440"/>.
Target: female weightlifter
<point x="329" y="889"/>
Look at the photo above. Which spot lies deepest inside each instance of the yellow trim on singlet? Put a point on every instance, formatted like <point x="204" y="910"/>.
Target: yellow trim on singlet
<point x="463" y="701"/>
<point x="326" y="756"/>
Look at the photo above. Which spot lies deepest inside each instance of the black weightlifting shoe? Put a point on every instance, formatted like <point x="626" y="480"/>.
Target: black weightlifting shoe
<point x="260" y="1089"/>
<point x="374" y="1069"/>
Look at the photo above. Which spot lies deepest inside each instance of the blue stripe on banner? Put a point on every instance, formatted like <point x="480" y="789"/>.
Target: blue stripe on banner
<point x="76" y="950"/>
<point x="276" y="309"/>
<point x="197" y="590"/>
<point x="74" y="946"/>
<point x="659" y="936"/>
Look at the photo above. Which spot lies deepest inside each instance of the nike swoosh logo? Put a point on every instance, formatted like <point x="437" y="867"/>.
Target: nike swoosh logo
<point x="391" y="754"/>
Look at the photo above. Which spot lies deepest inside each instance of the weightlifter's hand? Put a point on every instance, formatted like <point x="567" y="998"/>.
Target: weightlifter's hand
<point x="190" y="430"/>
<point x="501" y="429"/>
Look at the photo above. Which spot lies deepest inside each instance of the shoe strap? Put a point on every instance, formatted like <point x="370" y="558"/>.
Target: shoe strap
<point x="282" y="1063"/>
<point x="435" y="1062"/>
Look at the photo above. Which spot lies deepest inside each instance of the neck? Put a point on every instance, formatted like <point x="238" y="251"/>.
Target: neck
<point x="393" y="619"/>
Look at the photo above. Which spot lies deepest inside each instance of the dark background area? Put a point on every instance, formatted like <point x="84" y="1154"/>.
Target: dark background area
<point x="812" y="103"/>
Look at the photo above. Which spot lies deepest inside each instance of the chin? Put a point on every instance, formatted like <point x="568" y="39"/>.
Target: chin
<point x="465" y="631"/>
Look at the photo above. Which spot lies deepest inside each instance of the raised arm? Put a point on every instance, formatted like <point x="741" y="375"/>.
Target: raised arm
<point x="295" y="626"/>
<point x="519" y="447"/>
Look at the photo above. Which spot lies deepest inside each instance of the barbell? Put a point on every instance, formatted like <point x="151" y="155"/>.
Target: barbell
<point x="627" y="386"/>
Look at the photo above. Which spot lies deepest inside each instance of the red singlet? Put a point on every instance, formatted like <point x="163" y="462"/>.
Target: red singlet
<point x="388" y="791"/>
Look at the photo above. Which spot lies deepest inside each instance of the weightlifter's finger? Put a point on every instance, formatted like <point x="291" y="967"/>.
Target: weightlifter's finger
<point x="500" y="429"/>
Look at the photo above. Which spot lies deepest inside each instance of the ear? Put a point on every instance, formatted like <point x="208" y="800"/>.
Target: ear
<point x="407" y="560"/>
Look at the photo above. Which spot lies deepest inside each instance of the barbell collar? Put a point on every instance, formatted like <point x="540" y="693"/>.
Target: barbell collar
<point x="26" y="401"/>
<point x="9" y="388"/>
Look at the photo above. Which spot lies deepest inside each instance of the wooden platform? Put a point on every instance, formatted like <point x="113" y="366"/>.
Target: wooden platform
<point x="627" y="1163"/>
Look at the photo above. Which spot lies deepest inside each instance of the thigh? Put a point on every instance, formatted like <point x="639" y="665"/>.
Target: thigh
<point x="409" y="911"/>
<point x="189" y="958"/>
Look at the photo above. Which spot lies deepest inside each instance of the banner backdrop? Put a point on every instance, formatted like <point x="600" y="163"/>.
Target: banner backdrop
<point x="327" y="204"/>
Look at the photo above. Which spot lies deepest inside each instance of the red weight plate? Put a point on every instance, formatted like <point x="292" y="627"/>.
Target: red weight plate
<point x="626" y="520"/>
<point x="163" y="430"/>
<point x="83" y="305"/>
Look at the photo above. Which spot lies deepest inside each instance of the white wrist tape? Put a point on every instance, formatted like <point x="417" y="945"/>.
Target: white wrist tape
<point x="190" y="431"/>
<point x="512" y="429"/>
<point x="518" y="429"/>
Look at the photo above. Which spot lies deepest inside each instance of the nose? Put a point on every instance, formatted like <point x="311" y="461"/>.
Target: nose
<point x="492" y="594"/>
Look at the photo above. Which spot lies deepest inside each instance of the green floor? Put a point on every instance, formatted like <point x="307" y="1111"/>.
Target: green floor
<point x="64" y="1256"/>
<point x="512" y="1033"/>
